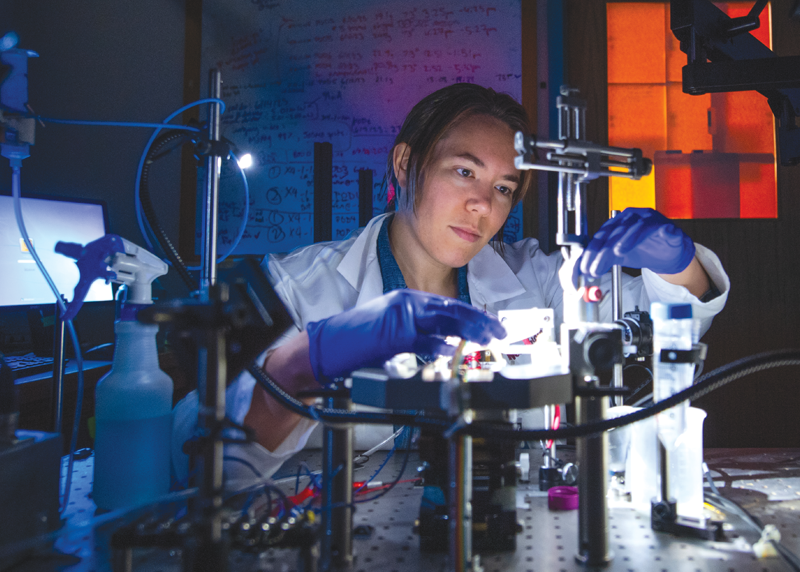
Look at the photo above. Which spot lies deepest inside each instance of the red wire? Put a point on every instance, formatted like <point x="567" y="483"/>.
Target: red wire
<point x="312" y="491"/>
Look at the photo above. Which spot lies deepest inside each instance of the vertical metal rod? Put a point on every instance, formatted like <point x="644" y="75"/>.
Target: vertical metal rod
<point x="570" y="196"/>
<point x="616" y="314"/>
<point x="460" y="503"/>
<point x="326" y="515"/>
<point x="453" y="506"/>
<point x="544" y="230"/>
<point x="593" y="549"/>
<point x="548" y="424"/>
<point x="466" y="521"/>
<point x="342" y="513"/>
<point x="663" y="458"/>
<point x="616" y="286"/>
<point x="211" y="199"/>
<point x="563" y="227"/>
<point x="122" y="560"/>
<point x="208" y="552"/>
<point x="336" y="544"/>
<point x="57" y="389"/>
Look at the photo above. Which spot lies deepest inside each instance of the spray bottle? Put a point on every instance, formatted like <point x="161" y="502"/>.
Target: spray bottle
<point x="133" y="402"/>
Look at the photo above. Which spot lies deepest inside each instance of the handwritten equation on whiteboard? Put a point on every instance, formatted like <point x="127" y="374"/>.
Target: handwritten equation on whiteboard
<point x="346" y="72"/>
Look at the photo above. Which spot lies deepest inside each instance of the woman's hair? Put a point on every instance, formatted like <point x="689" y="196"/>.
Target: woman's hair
<point x="431" y="119"/>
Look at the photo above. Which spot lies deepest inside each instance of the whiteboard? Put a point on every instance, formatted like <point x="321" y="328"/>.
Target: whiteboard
<point x="296" y="72"/>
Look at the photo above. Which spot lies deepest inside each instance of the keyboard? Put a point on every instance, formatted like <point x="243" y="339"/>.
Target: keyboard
<point x="29" y="364"/>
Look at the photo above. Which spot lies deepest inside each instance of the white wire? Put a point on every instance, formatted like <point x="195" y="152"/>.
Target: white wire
<point x="382" y="443"/>
<point x="16" y="194"/>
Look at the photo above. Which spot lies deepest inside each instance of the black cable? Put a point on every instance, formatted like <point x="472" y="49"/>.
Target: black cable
<point x="264" y="485"/>
<point x="340" y="415"/>
<point x="246" y="463"/>
<point x="169" y="138"/>
<point x="635" y="392"/>
<point x="706" y="384"/>
<point x="790" y="557"/>
<point x="716" y="499"/>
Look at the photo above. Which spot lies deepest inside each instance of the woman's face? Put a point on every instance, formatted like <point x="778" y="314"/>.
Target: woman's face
<point x="465" y="193"/>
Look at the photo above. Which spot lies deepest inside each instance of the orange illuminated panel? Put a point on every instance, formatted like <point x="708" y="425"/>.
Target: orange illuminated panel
<point x="636" y="40"/>
<point x="714" y="155"/>
<point x="687" y="120"/>
<point x="637" y="114"/>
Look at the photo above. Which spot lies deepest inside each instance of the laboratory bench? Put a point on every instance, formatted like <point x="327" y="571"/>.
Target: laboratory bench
<point x="765" y="482"/>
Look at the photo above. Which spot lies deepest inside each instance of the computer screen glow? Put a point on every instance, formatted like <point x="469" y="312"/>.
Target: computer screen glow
<point x="47" y="222"/>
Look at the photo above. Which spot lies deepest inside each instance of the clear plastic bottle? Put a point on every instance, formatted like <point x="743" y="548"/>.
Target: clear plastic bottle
<point x="133" y="413"/>
<point x="673" y="329"/>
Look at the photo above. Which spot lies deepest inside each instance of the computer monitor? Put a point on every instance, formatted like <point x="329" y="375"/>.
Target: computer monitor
<point x="47" y="220"/>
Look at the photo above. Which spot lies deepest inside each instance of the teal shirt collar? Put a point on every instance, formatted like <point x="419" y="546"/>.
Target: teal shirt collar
<point x="393" y="277"/>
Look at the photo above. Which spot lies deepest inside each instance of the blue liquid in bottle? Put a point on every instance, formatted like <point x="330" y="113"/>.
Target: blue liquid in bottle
<point x="133" y="413"/>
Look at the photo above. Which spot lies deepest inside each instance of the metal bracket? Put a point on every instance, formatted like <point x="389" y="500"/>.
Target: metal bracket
<point x="696" y="355"/>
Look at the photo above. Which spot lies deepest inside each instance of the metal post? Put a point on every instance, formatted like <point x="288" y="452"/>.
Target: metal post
<point x="460" y="503"/>
<point x="663" y="458"/>
<point x="593" y="547"/>
<point x="459" y="475"/>
<point x="211" y="199"/>
<point x="616" y="314"/>
<point x="543" y="179"/>
<point x="549" y="410"/>
<point x="336" y="544"/>
<point x="563" y="226"/>
<point x="57" y="389"/>
<point x="208" y="551"/>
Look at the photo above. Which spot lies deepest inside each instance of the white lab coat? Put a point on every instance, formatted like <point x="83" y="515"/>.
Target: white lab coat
<point x="320" y="280"/>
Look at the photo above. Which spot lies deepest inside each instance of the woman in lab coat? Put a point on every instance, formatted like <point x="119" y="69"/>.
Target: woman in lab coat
<point x="452" y="166"/>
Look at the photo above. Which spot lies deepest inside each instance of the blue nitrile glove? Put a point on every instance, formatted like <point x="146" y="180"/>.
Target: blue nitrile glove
<point x="638" y="238"/>
<point x="401" y="321"/>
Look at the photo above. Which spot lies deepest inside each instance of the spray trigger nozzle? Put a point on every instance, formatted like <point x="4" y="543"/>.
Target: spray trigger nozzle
<point x="113" y="259"/>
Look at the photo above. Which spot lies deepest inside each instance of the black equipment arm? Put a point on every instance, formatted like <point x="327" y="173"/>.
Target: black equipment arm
<point x="723" y="56"/>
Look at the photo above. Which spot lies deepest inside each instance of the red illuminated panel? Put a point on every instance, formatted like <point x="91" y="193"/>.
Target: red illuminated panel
<point x="721" y="160"/>
<point x="741" y="121"/>
<point x="678" y="178"/>
<point x="757" y="188"/>
<point x="738" y="9"/>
